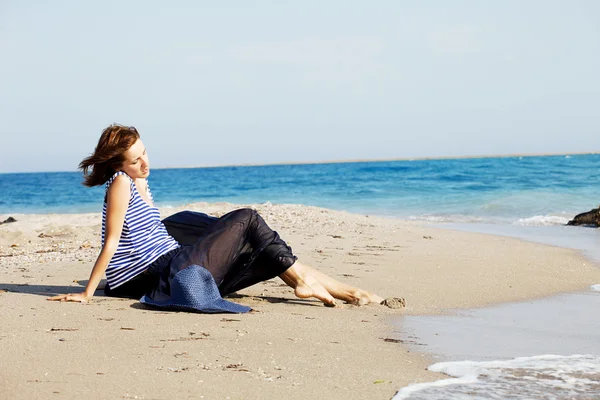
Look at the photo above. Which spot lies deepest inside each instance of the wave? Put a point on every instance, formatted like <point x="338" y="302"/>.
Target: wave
<point x="536" y="220"/>
<point x="538" y="377"/>
<point x="543" y="220"/>
<point x="440" y="219"/>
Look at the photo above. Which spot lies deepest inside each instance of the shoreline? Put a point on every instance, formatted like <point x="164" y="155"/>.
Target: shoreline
<point x="291" y="347"/>
<point x="515" y="334"/>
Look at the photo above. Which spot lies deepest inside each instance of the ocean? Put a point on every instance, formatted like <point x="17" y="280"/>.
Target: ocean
<point x="526" y="197"/>
<point x="507" y="190"/>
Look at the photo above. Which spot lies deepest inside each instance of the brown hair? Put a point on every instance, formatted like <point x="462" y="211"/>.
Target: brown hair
<point x="109" y="154"/>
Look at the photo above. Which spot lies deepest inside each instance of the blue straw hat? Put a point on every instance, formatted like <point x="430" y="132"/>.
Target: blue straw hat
<point x="194" y="289"/>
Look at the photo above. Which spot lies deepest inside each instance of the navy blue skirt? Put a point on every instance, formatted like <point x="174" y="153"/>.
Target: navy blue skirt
<point x="218" y="256"/>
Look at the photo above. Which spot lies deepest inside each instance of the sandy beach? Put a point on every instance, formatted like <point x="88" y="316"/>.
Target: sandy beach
<point x="287" y="348"/>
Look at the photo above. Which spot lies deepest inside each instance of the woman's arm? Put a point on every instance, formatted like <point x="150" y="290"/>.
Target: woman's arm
<point x="117" y="201"/>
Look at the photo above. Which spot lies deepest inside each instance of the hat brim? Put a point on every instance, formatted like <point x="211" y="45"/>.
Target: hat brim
<point x="215" y="306"/>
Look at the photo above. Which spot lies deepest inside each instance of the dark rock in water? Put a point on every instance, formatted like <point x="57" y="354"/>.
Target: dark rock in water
<point x="8" y="220"/>
<point x="590" y="218"/>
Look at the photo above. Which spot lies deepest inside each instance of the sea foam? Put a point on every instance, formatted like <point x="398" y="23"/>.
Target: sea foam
<point x="542" y="220"/>
<point x="536" y="220"/>
<point x="440" y="219"/>
<point x="539" y="377"/>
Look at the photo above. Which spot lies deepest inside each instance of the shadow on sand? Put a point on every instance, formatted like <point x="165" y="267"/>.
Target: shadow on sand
<point x="43" y="290"/>
<point x="53" y="290"/>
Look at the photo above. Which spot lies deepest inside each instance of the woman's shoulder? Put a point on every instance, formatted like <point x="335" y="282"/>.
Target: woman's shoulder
<point x="118" y="176"/>
<point x="120" y="183"/>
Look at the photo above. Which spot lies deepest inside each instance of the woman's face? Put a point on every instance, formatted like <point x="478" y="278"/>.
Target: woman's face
<point x="136" y="163"/>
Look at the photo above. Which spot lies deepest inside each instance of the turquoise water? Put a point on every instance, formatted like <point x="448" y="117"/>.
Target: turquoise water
<point x="520" y="190"/>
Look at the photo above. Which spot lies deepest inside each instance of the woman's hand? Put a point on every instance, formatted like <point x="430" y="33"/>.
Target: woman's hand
<point x="80" y="297"/>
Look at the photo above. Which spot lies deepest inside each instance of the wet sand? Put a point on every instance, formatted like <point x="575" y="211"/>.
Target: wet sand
<point x="560" y="325"/>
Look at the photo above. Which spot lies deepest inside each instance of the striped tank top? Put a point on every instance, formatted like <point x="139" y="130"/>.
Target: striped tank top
<point x="144" y="238"/>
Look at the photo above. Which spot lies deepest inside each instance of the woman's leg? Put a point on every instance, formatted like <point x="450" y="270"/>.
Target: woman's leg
<point x="240" y="250"/>
<point x="244" y="234"/>
<point x="306" y="285"/>
<point x="309" y="282"/>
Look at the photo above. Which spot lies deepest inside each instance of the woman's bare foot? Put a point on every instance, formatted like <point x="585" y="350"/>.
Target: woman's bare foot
<point x="342" y="291"/>
<point x="305" y="285"/>
<point x="308" y="282"/>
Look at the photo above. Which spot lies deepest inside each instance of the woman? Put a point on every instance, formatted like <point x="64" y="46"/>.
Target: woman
<point x="140" y="258"/>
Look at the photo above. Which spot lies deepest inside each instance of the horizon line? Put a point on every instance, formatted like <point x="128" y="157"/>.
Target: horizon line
<point x="366" y="160"/>
<point x="357" y="160"/>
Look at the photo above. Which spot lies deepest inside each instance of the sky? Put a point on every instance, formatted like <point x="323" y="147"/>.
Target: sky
<point x="253" y="82"/>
